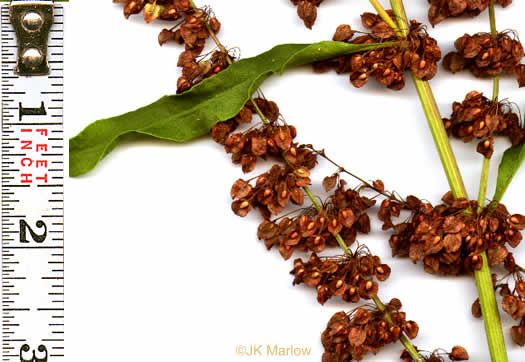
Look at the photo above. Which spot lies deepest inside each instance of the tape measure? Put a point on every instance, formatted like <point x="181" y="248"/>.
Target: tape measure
<point x="32" y="181"/>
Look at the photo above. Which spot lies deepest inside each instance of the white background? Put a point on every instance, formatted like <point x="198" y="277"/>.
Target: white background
<point x="157" y="266"/>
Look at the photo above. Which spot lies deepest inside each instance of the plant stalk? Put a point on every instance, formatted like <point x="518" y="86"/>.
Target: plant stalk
<point x="338" y="237"/>
<point x="491" y="319"/>
<point x="495" y="94"/>
<point x="384" y="15"/>
<point x="213" y="35"/>
<point x="487" y="297"/>
<point x="492" y="17"/>
<point x="494" y="34"/>
<point x="404" y="340"/>
<point x="483" y="183"/>
<point x="440" y="136"/>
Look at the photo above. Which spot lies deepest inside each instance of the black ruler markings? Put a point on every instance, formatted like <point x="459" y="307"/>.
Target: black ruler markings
<point x="28" y="317"/>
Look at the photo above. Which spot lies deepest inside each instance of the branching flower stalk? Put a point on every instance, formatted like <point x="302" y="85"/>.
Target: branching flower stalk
<point x="487" y="299"/>
<point x="404" y="340"/>
<point x="483" y="276"/>
<point x="388" y="195"/>
<point x="495" y="94"/>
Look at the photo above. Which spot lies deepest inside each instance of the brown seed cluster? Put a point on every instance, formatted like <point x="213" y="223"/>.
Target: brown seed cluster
<point x="159" y="9"/>
<point x="191" y="27"/>
<point x="351" y="336"/>
<point x="271" y="138"/>
<point x="514" y="299"/>
<point x="351" y="277"/>
<point x="479" y="117"/>
<point x="192" y="32"/>
<point x="272" y="191"/>
<point x="222" y="130"/>
<point x="458" y="353"/>
<point x="485" y="56"/>
<point x="442" y="9"/>
<point x="314" y="231"/>
<point x="307" y="11"/>
<point x="388" y="64"/>
<point x="194" y="70"/>
<point x="449" y="239"/>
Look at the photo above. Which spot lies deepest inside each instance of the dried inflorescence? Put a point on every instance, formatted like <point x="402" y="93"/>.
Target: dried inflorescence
<point x="271" y="138"/>
<point x="191" y="28"/>
<point x="348" y="276"/>
<point x="450" y="237"/>
<point x="513" y="302"/>
<point x="313" y="231"/>
<point x="272" y="191"/>
<point x="195" y="70"/>
<point x="351" y="336"/>
<point x="443" y="9"/>
<point x="159" y="9"/>
<point x="307" y="11"/>
<point x="388" y="65"/>
<point x="479" y="117"/>
<point x="222" y="130"/>
<point x="458" y="353"/>
<point x="485" y="56"/>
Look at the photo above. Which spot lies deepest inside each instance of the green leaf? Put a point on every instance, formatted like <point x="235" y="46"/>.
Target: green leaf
<point x="510" y="164"/>
<point x="189" y="115"/>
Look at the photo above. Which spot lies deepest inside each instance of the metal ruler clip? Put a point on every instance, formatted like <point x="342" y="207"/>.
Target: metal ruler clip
<point x="32" y="22"/>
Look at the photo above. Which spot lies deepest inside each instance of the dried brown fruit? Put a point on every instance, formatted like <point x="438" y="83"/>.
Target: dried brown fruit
<point x="520" y="75"/>
<point x="485" y="56"/>
<point x="343" y="33"/>
<point x="165" y="35"/>
<point x="351" y="336"/>
<point x="442" y="9"/>
<point x="329" y="182"/>
<point x="481" y="118"/>
<point x="308" y="12"/>
<point x="476" y="309"/>
<point x="387" y="65"/>
<point x="459" y="354"/>
<point x="518" y="335"/>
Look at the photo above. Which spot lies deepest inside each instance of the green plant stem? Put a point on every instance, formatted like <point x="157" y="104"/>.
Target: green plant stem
<point x="483" y="183"/>
<point x="492" y="16"/>
<point x="495" y="88"/>
<point x="495" y="94"/>
<point x="494" y="34"/>
<point x="384" y="15"/>
<point x="435" y="121"/>
<point x="440" y="136"/>
<point x="489" y="306"/>
<point x="487" y="297"/>
<point x="338" y="237"/>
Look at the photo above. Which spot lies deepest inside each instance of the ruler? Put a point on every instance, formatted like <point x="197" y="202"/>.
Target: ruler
<point x="32" y="191"/>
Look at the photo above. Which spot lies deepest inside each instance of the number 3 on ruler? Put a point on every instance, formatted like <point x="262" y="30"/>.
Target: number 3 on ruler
<point x="36" y="237"/>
